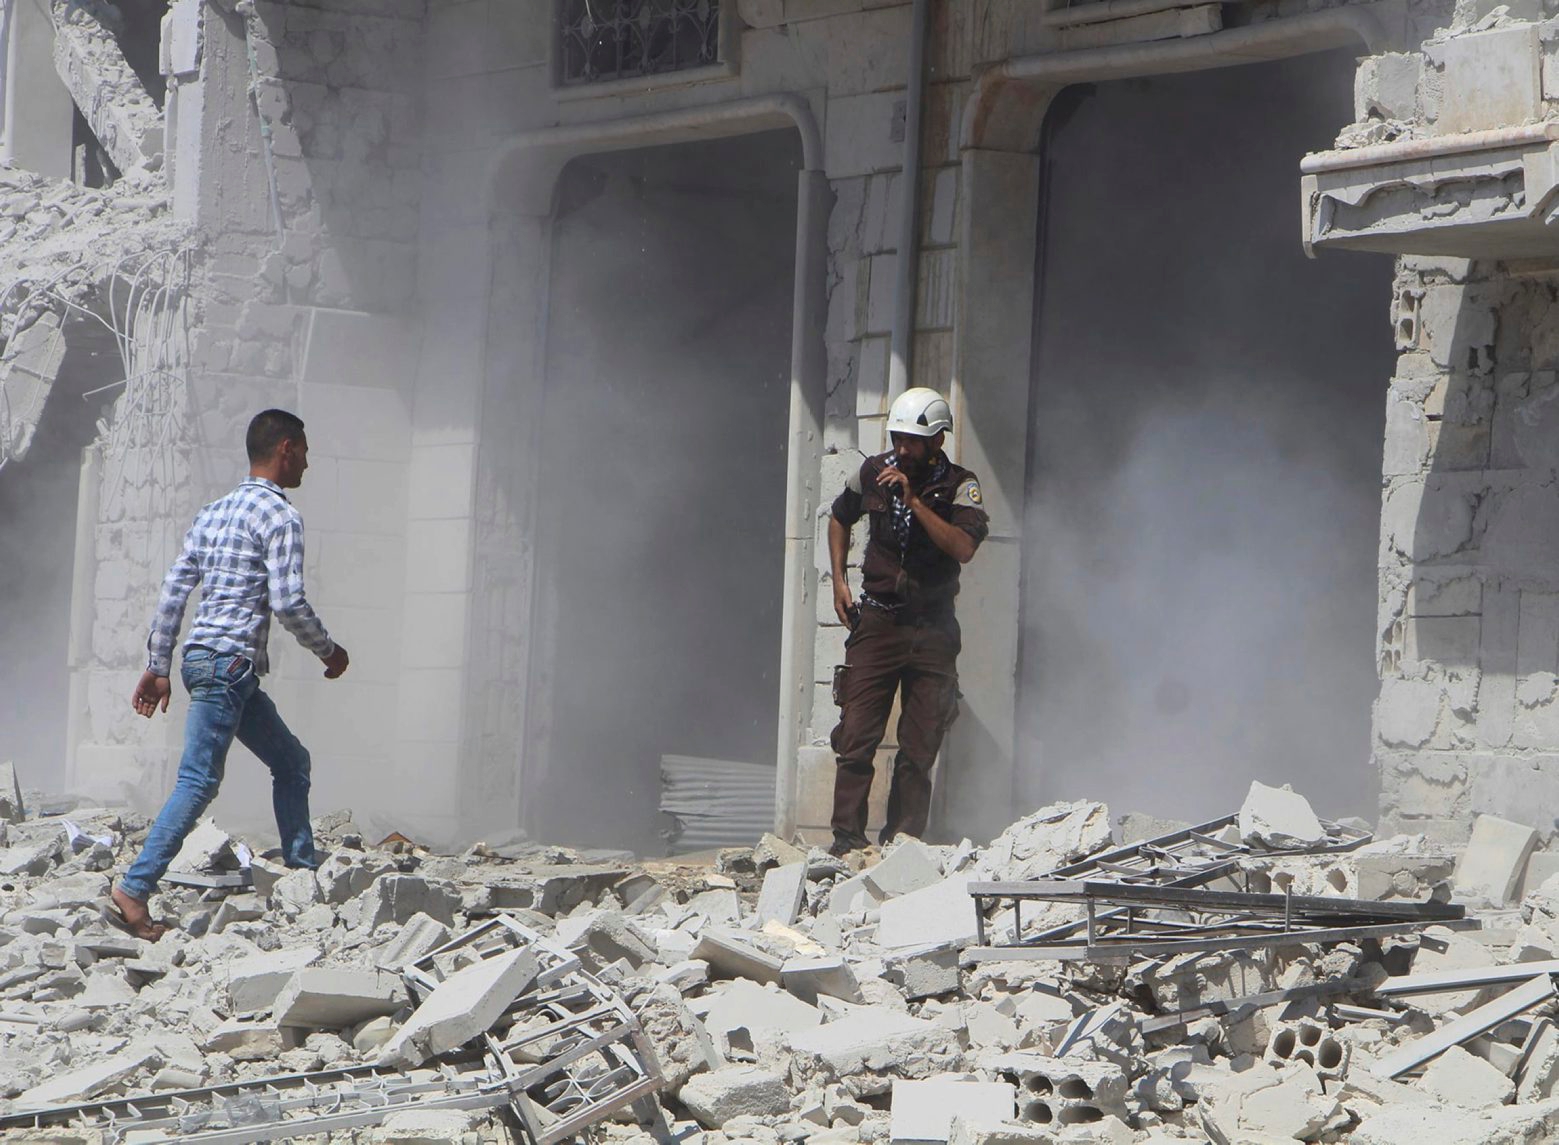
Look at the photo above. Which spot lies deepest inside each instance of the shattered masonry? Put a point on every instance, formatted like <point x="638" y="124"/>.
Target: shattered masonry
<point x="533" y="993"/>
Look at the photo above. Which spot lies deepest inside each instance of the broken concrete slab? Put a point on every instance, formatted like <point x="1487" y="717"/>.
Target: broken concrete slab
<point x="245" y="1040"/>
<point x="1051" y="837"/>
<point x="807" y="976"/>
<point x="254" y="982"/>
<point x="206" y="847"/>
<point x="741" y="1008"/>
<point x="1278" y="817"/>
<point x="908" y="866"/>
<point x="854" y="895"/>
<point x="1461" y="1078"/>
<point x="782" y="894"/>
<point x="1494" y="861"/>
<point x="924" y="1111"/>
<point x="420" y="934"/>
<point x="400" y="898"/>
<point x="925" y="971"/>
<point x="90" y="1080"/>
<point x="316" y="998"/>
<point x="461" y="1007"/>
<point x="715" y="1098"/>
<point x="732" y="954"/>
<point x="869" y="1047"/>
<point x="939" y="915"/>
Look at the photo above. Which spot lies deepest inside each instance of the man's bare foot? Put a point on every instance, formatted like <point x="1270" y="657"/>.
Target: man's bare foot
<point x="134" y="917"/>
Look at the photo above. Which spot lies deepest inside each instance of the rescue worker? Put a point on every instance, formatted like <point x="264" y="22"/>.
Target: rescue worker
<point x="925" y="519"/>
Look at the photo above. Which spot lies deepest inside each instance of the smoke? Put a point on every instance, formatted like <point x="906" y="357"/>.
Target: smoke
<point x="37" y="551"/>
<point x="1200" y="580"/>
<point x="663" y="475"/>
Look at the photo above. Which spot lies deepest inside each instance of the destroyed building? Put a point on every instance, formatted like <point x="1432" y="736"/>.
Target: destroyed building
<point x="498" y="252"/>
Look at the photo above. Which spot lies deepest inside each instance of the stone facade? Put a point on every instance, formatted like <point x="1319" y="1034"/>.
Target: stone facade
<point x="371" y="187"/>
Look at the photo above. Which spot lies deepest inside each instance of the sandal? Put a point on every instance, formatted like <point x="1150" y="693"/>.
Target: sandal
<point x="115" y="918"/>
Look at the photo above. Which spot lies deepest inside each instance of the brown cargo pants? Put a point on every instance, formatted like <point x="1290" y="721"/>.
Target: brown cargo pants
<point x="888" y="652"/>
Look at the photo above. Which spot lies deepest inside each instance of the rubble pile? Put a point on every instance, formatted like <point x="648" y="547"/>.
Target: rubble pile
<point x="779" y="994"/>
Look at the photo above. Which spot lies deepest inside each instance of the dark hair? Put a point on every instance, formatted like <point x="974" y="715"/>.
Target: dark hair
<point x="268" y="429"/>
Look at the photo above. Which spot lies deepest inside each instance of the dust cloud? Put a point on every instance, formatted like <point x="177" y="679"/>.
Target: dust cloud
<point x="1200" y="553"/>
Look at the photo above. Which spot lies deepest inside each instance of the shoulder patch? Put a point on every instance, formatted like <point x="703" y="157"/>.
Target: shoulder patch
<point x="969" y="494"/>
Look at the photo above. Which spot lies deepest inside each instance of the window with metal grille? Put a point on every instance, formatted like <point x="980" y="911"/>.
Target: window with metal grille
<point x="600" y="40"/>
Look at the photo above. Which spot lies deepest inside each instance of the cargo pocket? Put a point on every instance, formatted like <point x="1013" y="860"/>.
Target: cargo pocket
<point x="841" y="683"/>
<point x="951" y="698"/>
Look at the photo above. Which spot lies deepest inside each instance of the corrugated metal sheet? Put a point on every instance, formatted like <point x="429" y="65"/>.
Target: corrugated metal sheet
<point x="714" y="803"/>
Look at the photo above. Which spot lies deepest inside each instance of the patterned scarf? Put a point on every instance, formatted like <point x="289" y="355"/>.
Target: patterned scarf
<point x="902" y="517"/>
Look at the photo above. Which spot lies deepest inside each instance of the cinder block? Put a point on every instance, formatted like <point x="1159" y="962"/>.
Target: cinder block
<point x="925" y="1110"/>
<point x="324" y="999"/>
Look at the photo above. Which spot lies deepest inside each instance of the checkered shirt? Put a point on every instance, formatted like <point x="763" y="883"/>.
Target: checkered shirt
<point x="246" y="553"/>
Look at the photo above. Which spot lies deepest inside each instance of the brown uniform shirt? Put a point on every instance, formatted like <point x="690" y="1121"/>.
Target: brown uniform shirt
<point x="920" y="576"/>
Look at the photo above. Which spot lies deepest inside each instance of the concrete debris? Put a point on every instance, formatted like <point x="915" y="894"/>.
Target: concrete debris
<point x="1278" y="817"/>
<point x="735" y="1091"/>
<point x="778" y="998"/>
<point x="12" y="810"/>
<point x="1494" y="861"/>
<point x="926" y="1110"/>
<point x="460" y="1008"/>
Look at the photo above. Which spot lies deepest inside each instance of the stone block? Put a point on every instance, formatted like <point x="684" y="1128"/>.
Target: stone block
<point x="729" y="953"/>
<point x="1491" y="866"/>
<point x="254" y="982"/>
<point x="461" y="1007"/>
<point x="925" y="1110"/>
<point x="853" y="895"/>
<point x="327" y="999"/>
<point x="1386" y="87"/>
<point x="782" y="894"/>
<point x="1488" y="79"/>
<point x="909" y="866"/>
<point x="941" y="914"/>
<point x="1462" y="1078"/>
<point x="807" y="976"/>
<point x="1278" y="817"/>
<point x="925" y="972"/>
<point x="736" y="1091"/>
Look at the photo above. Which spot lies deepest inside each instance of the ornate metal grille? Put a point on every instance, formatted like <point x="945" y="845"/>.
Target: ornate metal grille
<point x="602" y="40"/>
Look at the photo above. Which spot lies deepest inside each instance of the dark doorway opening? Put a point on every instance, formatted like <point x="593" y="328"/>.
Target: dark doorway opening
<point x="1208" y="409"/>
<point x="662" y="488"/>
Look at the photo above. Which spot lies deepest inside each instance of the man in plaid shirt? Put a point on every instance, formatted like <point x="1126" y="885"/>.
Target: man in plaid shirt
<point x="246" y="553"/>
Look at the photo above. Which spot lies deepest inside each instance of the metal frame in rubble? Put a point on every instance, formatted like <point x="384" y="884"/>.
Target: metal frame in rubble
<point x="1195" y="855"/>
<point x="1124" y="921"/>
<point x="562" y="1056"/>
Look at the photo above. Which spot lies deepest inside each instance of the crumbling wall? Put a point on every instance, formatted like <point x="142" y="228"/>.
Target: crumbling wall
<point x="294" y="149"/>
<point x="1468" y="639"/>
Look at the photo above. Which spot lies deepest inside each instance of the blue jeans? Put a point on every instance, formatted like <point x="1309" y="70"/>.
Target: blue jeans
<point x="226" y="701"/>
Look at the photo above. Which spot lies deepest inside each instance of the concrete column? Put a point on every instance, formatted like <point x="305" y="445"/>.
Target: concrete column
<point x="808" y="383"/>
<point x="990" y="415"/>
<point x="36" y="134"/>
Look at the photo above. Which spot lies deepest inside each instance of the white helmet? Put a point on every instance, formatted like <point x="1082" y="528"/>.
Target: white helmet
<point x="921" y="412"/>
